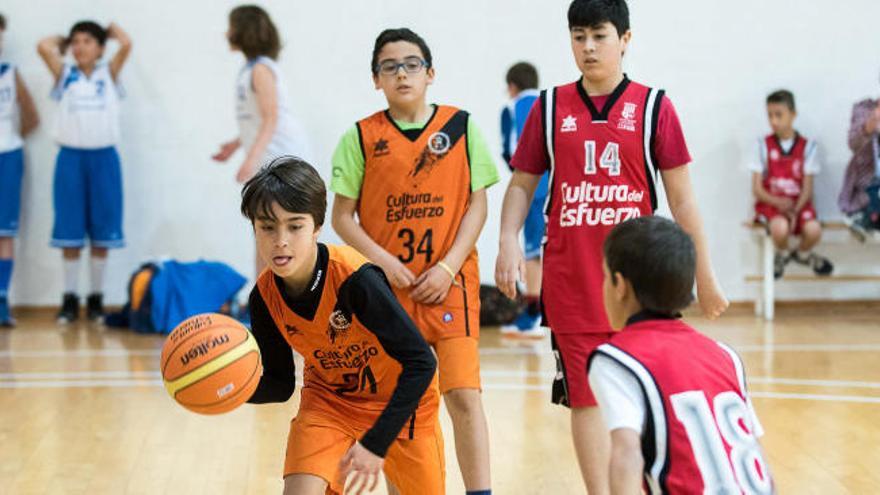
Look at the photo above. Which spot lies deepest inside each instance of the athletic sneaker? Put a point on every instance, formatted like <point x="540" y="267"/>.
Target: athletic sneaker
<point x="858" y="224"/>
<point x="69" y="312"/>
<point x="779" y="262"/>
<point x="95" y="308"/>
<point x="820" y="264"/>
<point x="525" y="325"/>
<point x="6" y="319"/>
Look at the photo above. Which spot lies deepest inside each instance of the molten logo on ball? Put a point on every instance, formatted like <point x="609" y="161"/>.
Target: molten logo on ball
<point x="201" y="349"/>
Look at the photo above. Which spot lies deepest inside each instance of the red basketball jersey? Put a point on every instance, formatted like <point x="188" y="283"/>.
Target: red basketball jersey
<point x="601" y="174"/>
<point x="700" y="434"/>
<point x="784" y="172"/>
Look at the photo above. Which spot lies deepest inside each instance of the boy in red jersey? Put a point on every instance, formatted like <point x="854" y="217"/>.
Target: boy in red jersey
<point x="673" y="399"/>
<point x="782" y="182"/>
<point x="602" y="138"/>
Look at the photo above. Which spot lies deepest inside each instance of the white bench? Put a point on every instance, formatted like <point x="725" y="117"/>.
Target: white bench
<point x="765" y="301"/>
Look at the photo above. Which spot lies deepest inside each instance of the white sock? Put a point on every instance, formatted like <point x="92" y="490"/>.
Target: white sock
<point x="71" y="276"/>
<point x="96" y="271"/>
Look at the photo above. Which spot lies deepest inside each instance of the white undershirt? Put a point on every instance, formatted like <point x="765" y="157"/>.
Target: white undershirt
<point x="621" y="399"/>
<point x="812" y="165"/>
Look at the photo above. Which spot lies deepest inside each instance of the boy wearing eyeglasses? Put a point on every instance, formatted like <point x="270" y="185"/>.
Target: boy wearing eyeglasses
<point x="415" y="176"/>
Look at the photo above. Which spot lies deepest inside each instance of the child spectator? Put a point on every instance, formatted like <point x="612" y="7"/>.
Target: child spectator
<point x="87" y="189"/>
<point x="782" y="182"/>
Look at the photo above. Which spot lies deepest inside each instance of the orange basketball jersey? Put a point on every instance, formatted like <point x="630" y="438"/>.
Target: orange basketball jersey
<point x="347" y="372"/>
<point x="416" y="187"/>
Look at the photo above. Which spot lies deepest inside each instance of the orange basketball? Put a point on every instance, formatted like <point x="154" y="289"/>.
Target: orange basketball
<point x="211" y="364"/>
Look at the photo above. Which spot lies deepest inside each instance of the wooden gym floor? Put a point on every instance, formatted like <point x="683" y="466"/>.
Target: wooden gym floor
<point x="82" y="411"/>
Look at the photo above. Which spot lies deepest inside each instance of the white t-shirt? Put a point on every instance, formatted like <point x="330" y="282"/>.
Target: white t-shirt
<point x="621" y="399"/>
<point x="10" y="121"/>
<point x="289" y="137"/>
<point x="812" y="165"/>
<point x="88" y="110"/>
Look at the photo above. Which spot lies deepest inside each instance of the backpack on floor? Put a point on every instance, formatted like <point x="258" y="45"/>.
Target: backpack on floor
<point x="163" y="294"/>
<point x="496" y="308"/>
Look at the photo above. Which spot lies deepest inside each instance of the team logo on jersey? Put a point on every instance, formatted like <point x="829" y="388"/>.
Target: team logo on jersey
<point x="569" y="124"/>
<point x="774" y="155"/>
<point x="447" y="317"/>
<point x="628" y="117"/>
<point x="339" y="326"/>
<point x="380" y="148"/>
<point x="292" y="330"/>
<point x="439" y="143"/>
<point x="797" y="169"/>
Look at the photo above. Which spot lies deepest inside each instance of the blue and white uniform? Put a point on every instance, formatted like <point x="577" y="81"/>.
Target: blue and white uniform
<point x="88" y="176"/>
<point x="11" y="156"/>
<point x="513" y="119"/>
<point x="289" y="137"/>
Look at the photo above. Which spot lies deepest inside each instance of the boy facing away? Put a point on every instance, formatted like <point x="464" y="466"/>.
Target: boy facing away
<point x="369" y="398"/>
<point x="18" y="117"/>
<point x="415" y="176"/>
<point x="87" y="188"/>
<point x="674" y="400"/>
<point x="783" y="173"/>
<point x="602" y="138"/>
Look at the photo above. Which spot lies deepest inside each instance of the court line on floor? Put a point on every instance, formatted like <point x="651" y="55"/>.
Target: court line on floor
<point x="71" y="375"/>
<point x="761" y="395"/>
<point x="543" y="351"/>
<point x="68" y="376"/>
<point x="757" y="379"/>
<point x="518" y="387"/>
<point x="82" y="384"/>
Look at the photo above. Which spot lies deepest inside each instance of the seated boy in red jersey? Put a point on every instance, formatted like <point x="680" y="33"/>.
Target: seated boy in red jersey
<point x="782" y="182"/>
<point x="602" y="139"/>
<point x="674" y="400"/>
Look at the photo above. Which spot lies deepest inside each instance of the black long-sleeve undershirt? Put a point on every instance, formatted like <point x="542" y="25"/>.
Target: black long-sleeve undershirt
<point x="366" y="294"/>
<point x="371" y="299"/>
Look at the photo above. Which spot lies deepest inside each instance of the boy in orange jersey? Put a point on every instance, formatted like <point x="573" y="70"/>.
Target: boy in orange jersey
<point x="415" y="176"/>
<point x="369" y="399"/>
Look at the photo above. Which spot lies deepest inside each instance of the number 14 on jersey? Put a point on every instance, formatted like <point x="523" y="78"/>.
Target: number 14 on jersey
<point x="610" y="159"/>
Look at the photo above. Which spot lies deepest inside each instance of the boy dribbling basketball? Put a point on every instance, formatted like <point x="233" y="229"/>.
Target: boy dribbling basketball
<point x="369" y="398"/>
<point x="602" y="138"/>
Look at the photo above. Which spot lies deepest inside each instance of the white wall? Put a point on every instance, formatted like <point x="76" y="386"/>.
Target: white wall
<point x="716" y="59"/>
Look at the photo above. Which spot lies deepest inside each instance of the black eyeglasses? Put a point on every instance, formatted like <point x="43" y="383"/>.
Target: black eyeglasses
<point x="411" y="65"/>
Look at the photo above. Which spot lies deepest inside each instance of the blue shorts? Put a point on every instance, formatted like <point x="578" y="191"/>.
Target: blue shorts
<point x="88" y="198"/>
<point x="533" y="230"/>
<point x="11" y="168"/>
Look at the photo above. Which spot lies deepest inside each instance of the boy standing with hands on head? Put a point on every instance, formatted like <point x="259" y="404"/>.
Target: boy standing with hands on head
<point x="87" y="188"/>
<point x="415" y="176"/>
<point x="602" y="138"/>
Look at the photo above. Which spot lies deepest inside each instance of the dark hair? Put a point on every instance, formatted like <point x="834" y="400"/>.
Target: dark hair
<point x="89" y="27"/>
<point x="594" y="13"/>
<point x="252" y="31"/>
<point x="658" y="258"/>
<point x="523" y="75"/>
<point x="399" y="34"/>
<point x="2" y="22"/>
<point x="289" y="181"/>
<point x="782" y="96"/>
